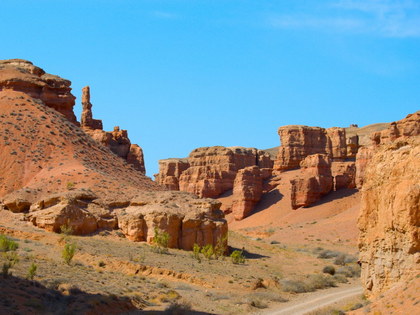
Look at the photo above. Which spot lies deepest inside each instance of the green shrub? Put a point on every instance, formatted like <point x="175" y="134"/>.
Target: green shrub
<point x="220" y="248"/>
<point x="68" y="252"/>
<point x="11" y="259"/>
<point x="340" y="260"/>
<point x="237" y="257"/>
<point x="196" y="252"/>
<point x="32" y="271"/>
<point x="207" y="251"/>
<point x="160" y="241"/>
<point x="6" y="244"/>
<point x="293" y="286"/>
<point x="66" y="229"/>
<point x="319" y="281"/>
<point x="329" y="269"/>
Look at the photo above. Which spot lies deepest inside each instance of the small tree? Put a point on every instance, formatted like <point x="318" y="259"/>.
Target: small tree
<point x="8" y="247"/>
<point x="68" y="252"/>
<point x="160" y="241"/>
<point x="220" y="248"/>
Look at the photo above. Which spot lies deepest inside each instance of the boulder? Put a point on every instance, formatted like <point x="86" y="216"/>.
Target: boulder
<point x="314" y="181"/>
<point x="247" y="191"/>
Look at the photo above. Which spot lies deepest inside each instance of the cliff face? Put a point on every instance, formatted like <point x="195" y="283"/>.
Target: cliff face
<point x="298" y="142"/>
<point x="390" y="216"/>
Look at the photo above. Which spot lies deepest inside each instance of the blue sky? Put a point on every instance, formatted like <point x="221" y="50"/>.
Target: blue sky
<point x="181" y="74"/>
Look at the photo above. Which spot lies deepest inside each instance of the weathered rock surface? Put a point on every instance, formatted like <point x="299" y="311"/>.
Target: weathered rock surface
<point x="212" y="170"/>
<point x="169" y="172"/>
<point x="187" y="219"/>
<point x="247" y="191"/>
<point x="403" y="129"/>
<point x="352" y="146"/>
<point x="298" y="142"/>
<point x="55" y="92"/>
<point x="344" y="174"/>
<point x="314" y="181"/>
<point x="390" y="216"/>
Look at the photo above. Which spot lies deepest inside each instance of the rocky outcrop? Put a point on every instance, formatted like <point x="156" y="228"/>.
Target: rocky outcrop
<point x="55" y="92"/>
<point x="390" y="216"/>
<point x="403" y="129"/>
<point x="247" y="191"/>
<point x="314" y="181"/>
<point x="352" y="146"/>
<point x="117" y="140"/>
<point x="212" y="170"/>
<point x="344" y="174"/>
<point x="169" y="172"/>
<point x="87" y="121"/>
<point x="187" y="219"/>
<point x="298" y="142"/>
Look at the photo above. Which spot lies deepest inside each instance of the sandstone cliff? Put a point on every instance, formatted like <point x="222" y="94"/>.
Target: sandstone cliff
<point x="298" y="142"/>
<point x="390" y="216"/>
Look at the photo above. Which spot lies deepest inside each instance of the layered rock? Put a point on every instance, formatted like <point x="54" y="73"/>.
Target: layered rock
<point x="169" y="172"/>
<point x="117" y="140"/>
<point x="314" y="181"/>
<point x="187" y="219"/>
<point x="247" y="191"/>
<point x="403" y="129"/>
<point x="212" y="170"/>
<point x="352" y="146"/>
<point x="55" y="92"/>
<point x="390" y="216"/>
<point x="344" y="174"/>
<point x="298" y="142"/>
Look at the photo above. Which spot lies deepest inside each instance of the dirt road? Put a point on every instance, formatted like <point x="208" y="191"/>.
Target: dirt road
<point x="316" y="301"/>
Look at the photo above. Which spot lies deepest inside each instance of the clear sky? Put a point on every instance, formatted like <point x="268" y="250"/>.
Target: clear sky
<point x="182" y="74"/>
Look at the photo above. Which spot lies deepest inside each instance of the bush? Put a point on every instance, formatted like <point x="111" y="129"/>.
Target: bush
<point x="6" y="244"/>
<point x="237" y="257"/>
<point x="66" y="229"/>
<point x="208" y="251"/>
<point x="349" y="271"/>
<point x="326" y="254"/>
<point x="68" y="252"/>
<point x="293" y="286"/>
<point x="160" y="241"/>
<point x="220" y="248"/>
<point x="32" y="271"/>
<point x="11" y="259"/>
<point x="340" y="260"/>
<point x="329" y="269"/>
<point x="319" y="281"/>
<point x="196" y="252"/>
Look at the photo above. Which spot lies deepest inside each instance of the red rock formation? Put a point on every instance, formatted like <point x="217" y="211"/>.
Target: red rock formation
<point x="403" y="129"/>
<point x="390" y="216"/>
<point x="298" y="142"/>
<point x="212" y="170"/>
<point x="352" y="146"/>
<point x="53" y="91"/>
<point x="247" y="191"/>
<point x="315" y="180"/>
<point x="169" y="172"/>
<point x="344" y="174"/>
<point x="87" y="121"/>
<point x="117" y="141"/>
<point x="187" y="219"/>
